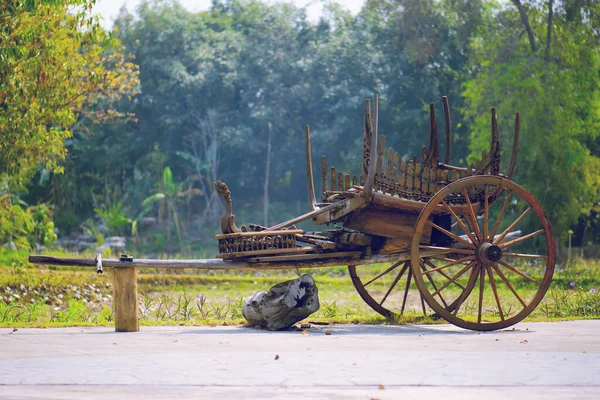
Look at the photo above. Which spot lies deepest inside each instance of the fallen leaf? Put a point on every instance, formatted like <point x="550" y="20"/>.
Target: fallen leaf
<point x="381" y="387"/>
<point x="524" y="341"/>
<point x="327" y="333"/>
<point x="277" y="356"/>
<point x="305" y="332"/>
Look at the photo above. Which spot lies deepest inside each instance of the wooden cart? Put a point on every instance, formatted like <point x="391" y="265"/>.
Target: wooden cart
<point x="478" y="247"/>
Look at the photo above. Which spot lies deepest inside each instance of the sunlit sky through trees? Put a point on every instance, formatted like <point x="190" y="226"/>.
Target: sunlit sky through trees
<point x="109" y="9"/>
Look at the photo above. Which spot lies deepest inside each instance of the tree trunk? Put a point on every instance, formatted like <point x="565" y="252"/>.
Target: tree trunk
<point x="525" y="20"/>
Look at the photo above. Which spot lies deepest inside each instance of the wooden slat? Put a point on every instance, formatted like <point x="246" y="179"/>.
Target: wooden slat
<point x="380" y="155"/>
<point x="333" y="179"/>
<point x="347" y="182"/>
<point x="305" y="257"/>
<point x="324" y="174"/>
<point x="340" y="184"/>
<point x="260" y="233"/>
<point x="388" y="164"/>
<point x="425" y="187"/>
<point x="402" y="174"/>
<point x="433" y="185"/>
<point x="410" y="170"/>
<point x="244" y="254"/>
<point x="395" y="168"/>
<point x="417" y="178"/>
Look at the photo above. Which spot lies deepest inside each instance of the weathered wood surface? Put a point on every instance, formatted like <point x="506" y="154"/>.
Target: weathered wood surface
<point x="125" y="300"/>
<point x="381" y="222"/>
<point x="309" y="171"/>
<point x="219" y="264"/>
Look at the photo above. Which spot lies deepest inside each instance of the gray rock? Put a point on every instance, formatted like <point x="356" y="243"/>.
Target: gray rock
<point x="283" y="305"/>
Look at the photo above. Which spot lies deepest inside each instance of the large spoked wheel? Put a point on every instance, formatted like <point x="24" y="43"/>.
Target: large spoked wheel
<point x="496" y="253"/>
<point x="388" y="288"/>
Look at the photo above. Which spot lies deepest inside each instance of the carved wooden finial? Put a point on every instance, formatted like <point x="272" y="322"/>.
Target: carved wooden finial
<point x="228" y="219"/>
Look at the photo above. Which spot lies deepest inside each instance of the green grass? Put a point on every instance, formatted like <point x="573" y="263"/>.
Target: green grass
<point x="48" y="297"/>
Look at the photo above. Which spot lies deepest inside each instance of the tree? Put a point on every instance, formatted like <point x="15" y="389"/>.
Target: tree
<point x="56" y="63"/>
<point x="551" y="77"/>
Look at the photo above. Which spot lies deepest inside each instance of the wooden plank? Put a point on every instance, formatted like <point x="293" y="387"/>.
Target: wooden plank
<point x="306" y="257"/>
<point x="380" y="221"/>
<point x="333" y="180"/>
<point x="380" y="156"/>
<point x="388" y="164"/>
<point x="417" y="179"/>
<point x="410" y="170"/>
<point x="433" y="184"/>
<point x="396" y="168"/>
<point x="402" y="178"/>
<point x="245" y="254"/>
<point x="367" y="138"/>
<point x="266" y="232"/>
<point x="324" y="174"/>
<point x="347" y="182"/>
<point x="219" y="264"/>
<point x="340" y="183"/>
<point x="408" y="205"/>
<point x="426" y="187"/>
<point x="125" y="299"/>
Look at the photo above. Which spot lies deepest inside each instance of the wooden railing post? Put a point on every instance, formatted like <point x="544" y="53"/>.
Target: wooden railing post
<point x="125" y="299"/>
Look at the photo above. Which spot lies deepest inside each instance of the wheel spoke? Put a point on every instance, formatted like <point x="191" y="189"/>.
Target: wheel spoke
<point x="446" y="250"/>
<point x="472" y="213"/>
<point x="507" y="283"/>
<point x="507" y="230"/>
<point x="384" y="272"/>
<point x="454" y="278"/>
<point x="452" y="235"/>
<point x="523" y="255"/>
<point x="404" y="268"/>
<point x="430" y="279"/>
<point x="521" y="239"/>
<point x="423" y="304"/>
<point x="500" y="215"/>
<point x="445" y="275"/>
<point x="460" y="223"/>
<point x="459" y="261"/>
<point x="516" y="271"/>
<point x="406" y="291"/>
<point x="493" y="285"/>
<point x="464" y="295"/>
<point x="485" y="214"/>
<point x="481" y="288"/>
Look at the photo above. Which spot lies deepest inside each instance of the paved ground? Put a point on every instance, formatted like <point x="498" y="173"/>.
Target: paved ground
<point x="536" y="360"/>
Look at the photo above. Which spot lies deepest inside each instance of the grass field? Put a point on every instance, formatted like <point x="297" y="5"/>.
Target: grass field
<point x="61" y="296"/>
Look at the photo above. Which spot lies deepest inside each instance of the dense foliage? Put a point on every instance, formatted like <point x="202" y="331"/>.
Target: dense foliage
<point x="225" y="94"/>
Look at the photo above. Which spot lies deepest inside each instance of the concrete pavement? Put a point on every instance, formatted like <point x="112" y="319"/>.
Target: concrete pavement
<point x="535" y="360"/>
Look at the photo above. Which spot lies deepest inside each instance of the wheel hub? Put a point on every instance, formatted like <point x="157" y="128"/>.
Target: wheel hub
<point x="489" y="253"/>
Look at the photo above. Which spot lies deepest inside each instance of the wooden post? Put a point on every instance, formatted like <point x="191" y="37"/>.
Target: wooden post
<point x="125" y="299"/>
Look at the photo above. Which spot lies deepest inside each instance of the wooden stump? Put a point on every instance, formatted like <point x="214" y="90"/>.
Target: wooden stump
<point x="125" y="300"/>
